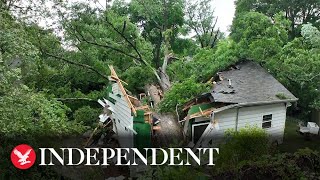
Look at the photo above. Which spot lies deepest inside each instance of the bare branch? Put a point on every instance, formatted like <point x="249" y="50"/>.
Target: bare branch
<point x="124" y="26"/>
<point x="215" y="38"/>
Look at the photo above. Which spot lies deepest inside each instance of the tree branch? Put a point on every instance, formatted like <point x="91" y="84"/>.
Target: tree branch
<point x="75" y="63"/>
<point x="83" y="39"/>
<point x="127" y="40"/>
<point x="215" y="38"/>
<point x="74" y="99"/>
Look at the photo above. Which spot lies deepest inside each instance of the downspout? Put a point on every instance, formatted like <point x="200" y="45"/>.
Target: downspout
<point x="237" y="119"/>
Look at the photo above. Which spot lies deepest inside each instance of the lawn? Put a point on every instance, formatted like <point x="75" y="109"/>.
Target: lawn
<point x="293" y="140"/>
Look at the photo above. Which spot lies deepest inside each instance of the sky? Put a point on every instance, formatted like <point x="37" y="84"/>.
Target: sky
<point x="223" y="9"/>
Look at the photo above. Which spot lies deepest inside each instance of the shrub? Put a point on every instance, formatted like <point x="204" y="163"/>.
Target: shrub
<point x="246" y="144"/>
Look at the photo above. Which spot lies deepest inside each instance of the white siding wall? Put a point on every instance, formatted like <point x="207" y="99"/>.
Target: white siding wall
<point x="226" y="120"/>
<point x="254" y="115"/>
<point x="122" y="116"/>
<point x="250" y="116"/>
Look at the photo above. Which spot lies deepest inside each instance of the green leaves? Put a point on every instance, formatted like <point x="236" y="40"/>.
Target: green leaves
<point x="257" y="37"/>
<point x="87" y="115"/>
<point x="311" y="35"/>
<point x="297" y="12"/>
<point x="180" y="93"/>
<point x="249" y="143"/>
<point x="200" y="19"/>
<point x="298" y="68"/>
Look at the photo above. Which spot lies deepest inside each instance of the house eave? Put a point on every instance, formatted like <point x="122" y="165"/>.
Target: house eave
<point x="238" y="105"/>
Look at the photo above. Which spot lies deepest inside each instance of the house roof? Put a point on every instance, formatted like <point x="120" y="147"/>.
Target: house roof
<point x="247" y="82"/>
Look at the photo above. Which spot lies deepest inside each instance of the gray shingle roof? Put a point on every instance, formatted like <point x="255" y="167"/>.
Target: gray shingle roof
<point x="250" y="83"/>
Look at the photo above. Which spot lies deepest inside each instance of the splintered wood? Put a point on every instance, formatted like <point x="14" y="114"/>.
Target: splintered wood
<point x="117" y="79"/>
<point x="133" y="102"/>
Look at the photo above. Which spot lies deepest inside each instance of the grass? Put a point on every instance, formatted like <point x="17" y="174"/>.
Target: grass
<point x="293" y="140"/>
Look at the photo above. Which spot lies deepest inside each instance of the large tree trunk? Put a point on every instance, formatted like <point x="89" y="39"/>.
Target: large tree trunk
<point x="155" y="93"/>
<point x="161" y="74"/>
<point x="165" y="80"/>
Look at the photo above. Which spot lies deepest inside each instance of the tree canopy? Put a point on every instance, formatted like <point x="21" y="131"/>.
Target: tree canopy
<point x="52" y="76"/>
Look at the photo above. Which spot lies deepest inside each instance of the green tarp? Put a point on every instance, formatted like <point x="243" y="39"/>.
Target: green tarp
<point x="195" y="108"/>
<point x="143" y="138"/>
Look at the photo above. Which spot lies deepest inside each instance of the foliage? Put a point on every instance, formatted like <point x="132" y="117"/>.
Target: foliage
<point x="157" y="17"/>
<point x="208" y="60"/>
<point x="297" y="66"/>
<point x="70" y="61"/>
<point x="137" y="77"/>
<point x="297" y="12"/>
<point x="311" y="35"/>
<point x="27" y="116"/>
<point x="180" y="93"/>
<point x="262" y="40"/>
<point x="303" y="164"/>
<point x="87" y="115"/>
<point x="200" y="19"/>
<point x="294" y="63"/>
<point x="248" y="143"/>
<point x="25" y="112"/>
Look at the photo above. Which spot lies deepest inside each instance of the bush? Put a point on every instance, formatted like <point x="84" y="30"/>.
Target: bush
<point x="246" y="144"/>
<point x="303" y="164"/>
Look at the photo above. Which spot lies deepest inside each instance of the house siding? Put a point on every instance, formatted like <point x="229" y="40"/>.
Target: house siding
<point x="226" y="120"/>
<point x="249" y="116"/>
<point x="122" y="117"/>
<point x="253" y="116"/>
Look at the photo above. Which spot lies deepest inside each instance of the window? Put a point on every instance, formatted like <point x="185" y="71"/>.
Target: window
<point x="266" y="121"/>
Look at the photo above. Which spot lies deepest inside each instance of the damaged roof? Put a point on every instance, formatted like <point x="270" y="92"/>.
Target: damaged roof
<point x="248" y="82"/>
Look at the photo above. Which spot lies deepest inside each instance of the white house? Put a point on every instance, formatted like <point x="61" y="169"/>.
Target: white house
<point x="245" y="94"/>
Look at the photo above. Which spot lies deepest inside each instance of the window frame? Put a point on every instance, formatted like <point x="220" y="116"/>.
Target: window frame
<point x="265" y="120"/>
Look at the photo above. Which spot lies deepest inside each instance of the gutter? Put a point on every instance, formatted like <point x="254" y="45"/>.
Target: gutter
<point x="253" y="104"/>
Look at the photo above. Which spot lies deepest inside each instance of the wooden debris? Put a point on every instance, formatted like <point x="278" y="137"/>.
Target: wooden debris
<point x="115" y="76"/>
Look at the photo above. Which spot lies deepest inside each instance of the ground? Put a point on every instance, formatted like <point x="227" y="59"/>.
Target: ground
<point x="293" y="140"/>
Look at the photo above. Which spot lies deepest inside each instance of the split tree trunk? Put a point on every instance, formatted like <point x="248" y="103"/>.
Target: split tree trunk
<point x="164" y="78"/>
<point x="154" y="93"/>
